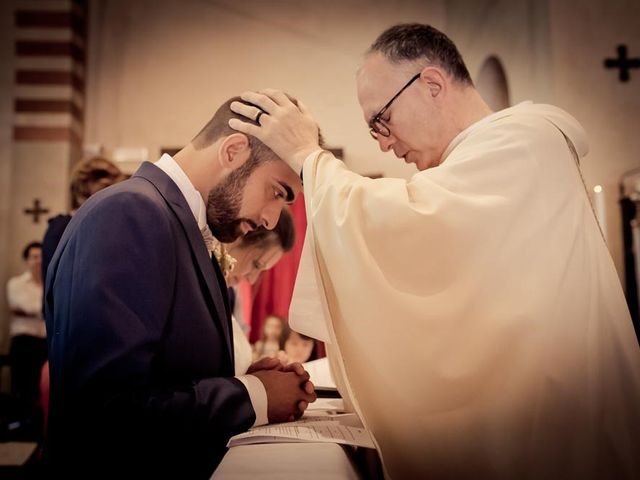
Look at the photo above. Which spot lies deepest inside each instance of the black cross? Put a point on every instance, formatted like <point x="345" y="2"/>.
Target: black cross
<point x="623" y="63"/>
<point x="36" y="211"/>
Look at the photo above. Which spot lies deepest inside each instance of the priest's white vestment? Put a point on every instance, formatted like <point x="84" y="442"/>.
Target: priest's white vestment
<point x="480" y="324"/>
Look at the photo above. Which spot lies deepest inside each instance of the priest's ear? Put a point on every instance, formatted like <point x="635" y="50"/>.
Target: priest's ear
<point x="435" y="80"/>
<point x="234" y="151"/>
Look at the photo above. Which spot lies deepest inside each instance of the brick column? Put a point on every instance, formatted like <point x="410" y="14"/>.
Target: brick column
<point x="48" y="92"/>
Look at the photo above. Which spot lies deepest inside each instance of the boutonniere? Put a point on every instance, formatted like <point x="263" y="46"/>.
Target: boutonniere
<point x="226" y="261"/>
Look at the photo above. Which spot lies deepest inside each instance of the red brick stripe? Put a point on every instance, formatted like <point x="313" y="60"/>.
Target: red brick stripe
<point x="73" y="20"/>
<point x="43" y="77"/>
<point x="30" y="48"/>
<point x="43" y="19"/>
<point x="23" y="105"/>
<point x="56" y="19"/>
<point x="45" y="134"/>
<point x="49" y="77"/>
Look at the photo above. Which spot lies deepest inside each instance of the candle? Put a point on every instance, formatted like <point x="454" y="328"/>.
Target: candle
<point x="598" y="200"/>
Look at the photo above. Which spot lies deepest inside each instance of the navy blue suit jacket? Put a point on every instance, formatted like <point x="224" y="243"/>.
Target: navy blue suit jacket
<point x="139" y="334"/>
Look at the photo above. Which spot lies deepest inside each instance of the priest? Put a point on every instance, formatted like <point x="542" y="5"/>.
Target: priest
<point x="479" y="320"/>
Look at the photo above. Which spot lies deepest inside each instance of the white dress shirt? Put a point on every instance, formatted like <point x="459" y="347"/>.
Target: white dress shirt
<point x="257" y="392"/>
<point x="24" y="296"/>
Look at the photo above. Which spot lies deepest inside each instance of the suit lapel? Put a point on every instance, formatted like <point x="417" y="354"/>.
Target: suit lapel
<point x="225" y="296"/>
<point x="213" y="278"/>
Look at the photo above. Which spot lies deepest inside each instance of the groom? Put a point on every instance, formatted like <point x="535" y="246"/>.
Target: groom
<point x="140" y="345"/>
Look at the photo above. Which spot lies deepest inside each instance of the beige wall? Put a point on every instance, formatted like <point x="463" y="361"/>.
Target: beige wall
<point x="514" y="31"/>
<point x="158" y="69"/>
<point x="608" y="109"/>
<point x="553" y="52"/>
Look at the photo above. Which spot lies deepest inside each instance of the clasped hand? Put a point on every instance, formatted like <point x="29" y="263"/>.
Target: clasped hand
<point x="288" y="388"/>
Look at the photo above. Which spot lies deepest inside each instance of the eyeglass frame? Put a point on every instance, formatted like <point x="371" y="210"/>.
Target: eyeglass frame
<point x="377" y="118"/>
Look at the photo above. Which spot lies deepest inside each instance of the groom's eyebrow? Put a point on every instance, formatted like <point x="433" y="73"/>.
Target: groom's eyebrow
<point x="289" y="191"/>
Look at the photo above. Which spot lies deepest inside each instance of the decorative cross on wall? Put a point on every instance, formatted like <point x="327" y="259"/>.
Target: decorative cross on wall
<point x="623" y="63"/>
<point x="36" y="210"/>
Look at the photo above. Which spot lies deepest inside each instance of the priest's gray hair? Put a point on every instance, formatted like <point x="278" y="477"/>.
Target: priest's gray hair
<point x="419" y="42"/>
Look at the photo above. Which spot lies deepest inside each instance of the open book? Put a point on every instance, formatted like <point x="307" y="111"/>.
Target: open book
<point x="345" y="429"/>
<point x="320" y="375"/>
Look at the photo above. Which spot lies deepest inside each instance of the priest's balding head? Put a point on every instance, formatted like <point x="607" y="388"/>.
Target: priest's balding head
<point x="416" y="93"/>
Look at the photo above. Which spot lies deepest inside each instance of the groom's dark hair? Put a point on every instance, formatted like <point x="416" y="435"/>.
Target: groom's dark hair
<point x="219" y="127"/>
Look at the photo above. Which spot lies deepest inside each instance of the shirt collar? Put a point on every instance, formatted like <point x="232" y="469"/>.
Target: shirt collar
<point x="169" y="166"/>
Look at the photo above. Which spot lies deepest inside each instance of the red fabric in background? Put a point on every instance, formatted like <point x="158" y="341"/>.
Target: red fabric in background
<point x="244" y="296"/>
<point x="273" y="292"/>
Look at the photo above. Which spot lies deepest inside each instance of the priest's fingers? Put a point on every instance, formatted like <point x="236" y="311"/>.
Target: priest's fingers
<point x="277" y="96"/>
<point x="244" y="127"/>
<point x="307" y="113"/>
<point x="286" y="130"/>
<point x="261" y="100"/>
<point x="305" y="110"/>
<point x="302" y="406"/>
<point x="247" y="111"/>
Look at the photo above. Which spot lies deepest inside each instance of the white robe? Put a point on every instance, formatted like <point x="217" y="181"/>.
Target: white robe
<point x="481" y="326"/>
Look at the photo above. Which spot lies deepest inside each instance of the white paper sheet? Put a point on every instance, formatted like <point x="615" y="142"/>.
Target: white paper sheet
<point x="343" y="429"/>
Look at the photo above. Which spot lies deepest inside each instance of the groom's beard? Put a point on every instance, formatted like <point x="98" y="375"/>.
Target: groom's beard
<point x="223" y="205"/>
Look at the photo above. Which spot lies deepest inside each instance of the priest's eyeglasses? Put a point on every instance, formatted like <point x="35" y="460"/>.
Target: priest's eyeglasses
<point x="376" y="125"/>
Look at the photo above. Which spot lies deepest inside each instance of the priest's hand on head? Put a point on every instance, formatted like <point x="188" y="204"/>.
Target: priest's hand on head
<point x="287" y="393"/>
<point x="289" y="130"/>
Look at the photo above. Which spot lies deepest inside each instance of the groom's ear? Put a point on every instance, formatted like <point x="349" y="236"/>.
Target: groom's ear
<point x="234" y="151"/>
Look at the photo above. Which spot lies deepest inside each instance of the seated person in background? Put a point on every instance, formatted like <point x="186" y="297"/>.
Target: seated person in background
<point x="87" y="177"/>
<point x="254" y="253"/>
<point x="296" y="347"/>
<point x="28" y="350"/>
<point x="269" y="344"/>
